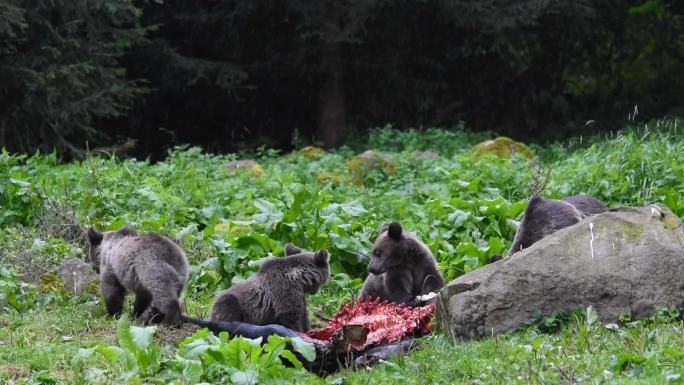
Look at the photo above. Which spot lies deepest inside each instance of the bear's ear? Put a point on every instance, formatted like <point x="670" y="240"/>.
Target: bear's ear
<point x="394" y="231"/>
<point x="94" y="236"/>
<point x="292" y="249"/>
<point x="321" y="258"/>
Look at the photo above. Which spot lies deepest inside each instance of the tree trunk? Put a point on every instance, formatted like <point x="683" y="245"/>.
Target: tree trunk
<point x="332" y="108"/>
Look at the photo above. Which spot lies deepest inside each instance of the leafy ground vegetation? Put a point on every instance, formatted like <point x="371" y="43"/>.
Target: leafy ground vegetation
<point x="462" y="207"/>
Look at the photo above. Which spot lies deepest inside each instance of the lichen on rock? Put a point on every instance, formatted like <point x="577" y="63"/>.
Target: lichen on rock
<point x="503" y="147"/>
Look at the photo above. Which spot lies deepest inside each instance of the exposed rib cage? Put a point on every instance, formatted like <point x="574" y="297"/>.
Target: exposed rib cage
<point x="386" y="322"/>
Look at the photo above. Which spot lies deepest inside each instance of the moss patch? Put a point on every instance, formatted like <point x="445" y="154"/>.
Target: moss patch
<point x="310" y="152"/>
<point x="50" y="283"/>
<point x="231" y="228"/>
<point x="94" y="287"/>
<point x="632" y="231"/>
<point x="671" y="221"/>
<point x="502" y="147"/>
<point x="326" y="178"/>
<point x="371" y="160"/>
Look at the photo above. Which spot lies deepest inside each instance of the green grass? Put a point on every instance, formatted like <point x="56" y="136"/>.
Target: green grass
<point x="41" y="342"/>
<point x="463" y="208"/>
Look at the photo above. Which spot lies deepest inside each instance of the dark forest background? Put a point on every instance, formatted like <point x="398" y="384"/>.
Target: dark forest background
<point x="230" y="75"/>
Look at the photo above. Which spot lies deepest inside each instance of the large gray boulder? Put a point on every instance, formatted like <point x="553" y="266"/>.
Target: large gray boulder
<point x="76" y="275"/>
<point x="625" y="261"/>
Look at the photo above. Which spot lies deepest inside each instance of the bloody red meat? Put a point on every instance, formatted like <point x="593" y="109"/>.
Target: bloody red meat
<point x="385" y="322"/>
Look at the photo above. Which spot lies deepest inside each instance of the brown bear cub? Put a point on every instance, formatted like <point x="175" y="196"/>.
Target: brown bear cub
<point x="401" y="268"/>
<point x="151" y="265"/>
<point x="546" y="216"/>
<point x="276" y="294"/>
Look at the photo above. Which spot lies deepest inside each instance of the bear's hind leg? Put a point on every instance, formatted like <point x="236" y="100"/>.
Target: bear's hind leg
<point x="143" y="298"/>
<point x="165" y="285"/>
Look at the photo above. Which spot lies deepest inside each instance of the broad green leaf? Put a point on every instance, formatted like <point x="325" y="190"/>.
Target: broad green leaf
<point x="273" y="349"/>
<point x="232" y="354"/>
<point x="125" y="335"/>
<point x="149" y="360"/>
<point x="218" y="355"/>
<point x="247" y="377"/>
<point x="192" y="371"/>
<point x="195" y="345"/>
<point x="142" y="336"/>
<point x="288" y="355"/>
<point x="82" y="355"/>
<point x="116" y="225"/>
<point x="496" y="246"/>
<point x="458" y="217"/>
<point x="353" y="208"/>
<point x="20" y="183"/>
<point x="306" y="349"/>
<point x="113" y="354"/>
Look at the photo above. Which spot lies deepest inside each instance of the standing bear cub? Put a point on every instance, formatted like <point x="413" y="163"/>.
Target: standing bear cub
<point x="152" y="266"/>
<point x="276" y="294"/>
<point x="401" y="268"/>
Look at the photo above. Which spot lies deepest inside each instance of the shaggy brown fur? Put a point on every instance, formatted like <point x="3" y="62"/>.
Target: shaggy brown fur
<point x="276" y="294"/>
<point x="401" y="267"/>
<point x="546" y="216"/>
<point x="151" y="265"/>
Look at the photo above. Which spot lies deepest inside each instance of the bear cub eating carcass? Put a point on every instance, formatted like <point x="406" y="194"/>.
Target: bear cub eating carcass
<point x="151" y="265"/>
<point x="276" y="294"/>
<point x="401" y="268"/>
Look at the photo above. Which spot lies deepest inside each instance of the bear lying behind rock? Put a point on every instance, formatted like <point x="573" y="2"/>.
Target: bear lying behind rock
<point x="401" y="268"/>
<point x="546" y="216"/>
